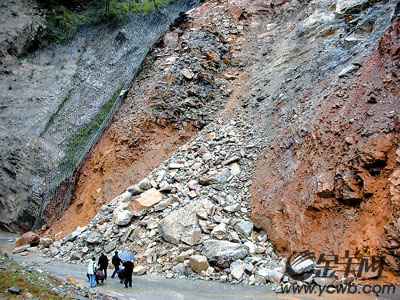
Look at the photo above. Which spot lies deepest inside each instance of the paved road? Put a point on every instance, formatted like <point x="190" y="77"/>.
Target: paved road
<point x="156" y="288"/>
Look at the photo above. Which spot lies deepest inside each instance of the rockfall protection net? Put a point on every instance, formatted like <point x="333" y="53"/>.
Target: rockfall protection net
<point x="54" y="176"/>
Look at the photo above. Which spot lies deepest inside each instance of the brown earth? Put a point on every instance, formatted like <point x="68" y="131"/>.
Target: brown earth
<point x="146" y="129"/>
<point x="344" y="191"/>
<point x="134" y="144"/>
<point x="115" y="164"/>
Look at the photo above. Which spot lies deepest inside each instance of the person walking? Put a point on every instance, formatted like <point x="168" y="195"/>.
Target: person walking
<point x="128" y="273"/>
<point x="103" y="264"/>
<point x="116" y="261"/>
<point x="92" y="272"/>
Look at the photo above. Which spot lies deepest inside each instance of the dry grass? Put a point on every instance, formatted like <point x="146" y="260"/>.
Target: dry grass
<point x="29" y="280"/>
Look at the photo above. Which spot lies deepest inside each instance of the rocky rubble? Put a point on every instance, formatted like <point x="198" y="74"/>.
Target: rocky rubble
<point x="188" y="217"/>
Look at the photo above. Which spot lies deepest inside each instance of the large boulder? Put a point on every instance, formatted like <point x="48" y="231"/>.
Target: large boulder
<point x="146" y="201"/>
<point x="123" y="217"/>
<point x="94" y="237"/>
<point x="173" y="226"/>
<point x="223" y="253"/>
<point x="28" y="238"/>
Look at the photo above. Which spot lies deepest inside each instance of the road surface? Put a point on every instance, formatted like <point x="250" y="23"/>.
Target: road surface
<point x="148" y="287"/>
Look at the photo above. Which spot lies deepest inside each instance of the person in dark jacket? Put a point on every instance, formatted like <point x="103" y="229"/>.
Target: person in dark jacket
<point x="116" y="261"/>
<point x="128" y="273"/>
<point x="103" y="264"/>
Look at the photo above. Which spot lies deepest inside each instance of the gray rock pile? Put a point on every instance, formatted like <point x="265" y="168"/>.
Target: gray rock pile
<point x="188" y="217"/>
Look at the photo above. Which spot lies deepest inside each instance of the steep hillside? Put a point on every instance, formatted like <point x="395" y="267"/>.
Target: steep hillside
<point x="287" y="113"/>
<point x="329" y="180"/>
<point x="55" y="103"/>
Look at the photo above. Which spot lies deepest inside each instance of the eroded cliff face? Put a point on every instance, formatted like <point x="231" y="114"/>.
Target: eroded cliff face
<point x="328" y="182"/>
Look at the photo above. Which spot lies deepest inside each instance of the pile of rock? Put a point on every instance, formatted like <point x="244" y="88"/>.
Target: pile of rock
<point x="195" y="66"/>
<point x="189" y="217"/>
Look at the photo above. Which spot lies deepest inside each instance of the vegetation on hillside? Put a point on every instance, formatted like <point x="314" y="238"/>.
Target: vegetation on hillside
<point x="38" y="284"/>
<point x="79" y="138"/>
<point x="65" y="19"/>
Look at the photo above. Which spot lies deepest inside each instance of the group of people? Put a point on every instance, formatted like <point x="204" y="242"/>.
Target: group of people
<point x="97" y="273"/>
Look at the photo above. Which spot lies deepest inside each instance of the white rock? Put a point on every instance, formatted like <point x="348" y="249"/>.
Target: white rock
<point x="219" y="231"/>
<point x="123" y="217"/>
<point x="252" y="247"/>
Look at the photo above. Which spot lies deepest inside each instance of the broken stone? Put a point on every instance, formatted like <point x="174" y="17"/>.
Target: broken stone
<point x="123" y="217"/>
<point x="192" y="236"/>
<point x="244" y="228"/>
<point x="185" y="255"/>
<point x="46" y="242"/>
<point x="176" y="166"/>
<point x="21" y="249"/>
<point x="219" y="231"/>
<point x="146" y="201"/>
<point x="324" y="281"/>
<point x="301" y="265"/>
<point x="232" y="208"/>
<point x="75" y="256"/>
<point x="94" y="237"/>
<point x="231" y="160"/>
<point x="237" y="271"/>
<point x="207" y="181"/>
<point x="173" y="226"/>
<point x="109" y="247"/>
<point x="252" y="247"/>
<point x="54" y="251"/>
<point x="235" y="169"/>
<point x="144" y="184"/>
<point x="164" y="204"/>
<point x="139" y="270"/>
<point x="187" y="74"/>
<point x="223" y="253"/>
<point x="135" y="190"/>
<point x="198" y="263"/>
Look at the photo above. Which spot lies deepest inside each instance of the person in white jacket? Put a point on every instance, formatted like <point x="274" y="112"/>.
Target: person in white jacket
<point x="92" y="272"/>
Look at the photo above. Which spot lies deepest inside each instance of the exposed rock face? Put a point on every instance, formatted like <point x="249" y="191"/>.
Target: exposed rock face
<point x="21" y="22"/>
<point x="322" y="181"/>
